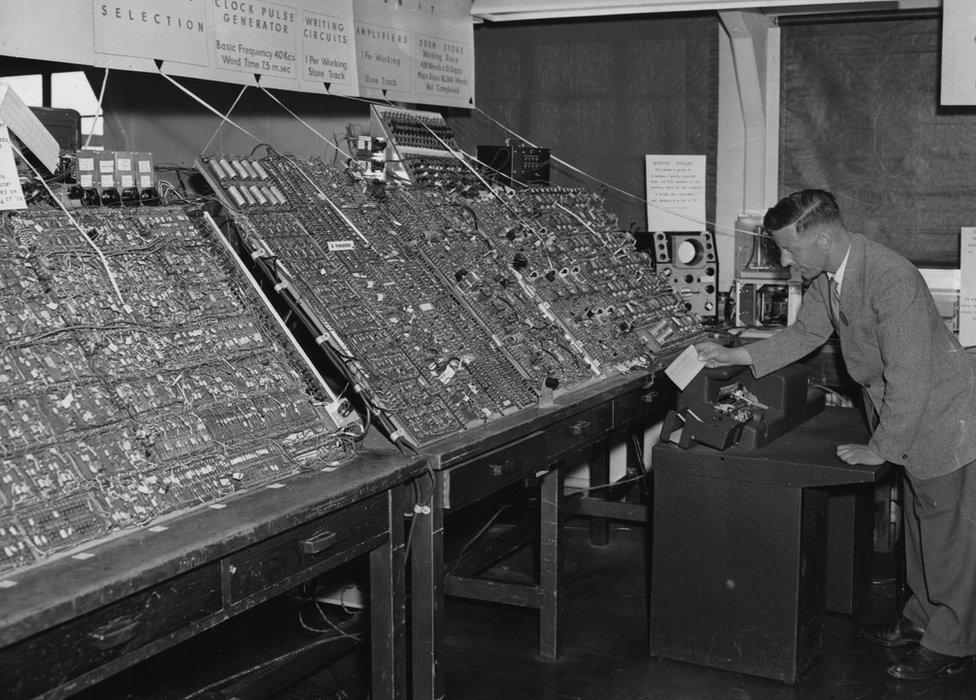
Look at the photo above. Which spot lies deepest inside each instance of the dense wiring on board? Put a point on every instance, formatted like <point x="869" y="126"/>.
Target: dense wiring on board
<point x="84" y="234"/>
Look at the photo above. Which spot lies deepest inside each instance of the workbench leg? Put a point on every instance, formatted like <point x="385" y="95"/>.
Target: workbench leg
<point x="427" y="596"/>
<point x="635" y="467"/>
<point x="599" y="464"/>
<point x="387" y="602"/>
<point x="551" y="545"/>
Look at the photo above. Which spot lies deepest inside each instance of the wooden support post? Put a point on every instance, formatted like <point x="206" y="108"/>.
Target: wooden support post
<point x="388" y="612"/>
<point x="427" y="597"/>
<point x="599" y="465"/>
<point x="550" y="570"/>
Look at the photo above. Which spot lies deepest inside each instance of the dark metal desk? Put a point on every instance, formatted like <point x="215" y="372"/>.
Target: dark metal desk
<point x="739" y="547"/>
<point x="72" y="621"/>
<point x="472" y="465"/>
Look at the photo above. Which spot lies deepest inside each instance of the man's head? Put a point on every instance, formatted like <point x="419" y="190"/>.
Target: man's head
<point x="810" y="234"/>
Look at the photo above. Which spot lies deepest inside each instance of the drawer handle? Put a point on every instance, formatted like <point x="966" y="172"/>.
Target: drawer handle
<point x="115" y="632"/>
<point x="502" y="468"/>
<point x="651" y="397"/>
<point x="319" y="543"/>
<point x="580" y="428"/>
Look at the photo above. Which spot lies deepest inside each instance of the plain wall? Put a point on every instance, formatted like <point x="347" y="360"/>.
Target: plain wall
<point x="146" y="112"/>
<point x="601" y="94"/>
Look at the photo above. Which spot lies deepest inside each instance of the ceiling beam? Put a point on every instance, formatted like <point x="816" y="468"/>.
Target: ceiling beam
<point x="523" y="10"/>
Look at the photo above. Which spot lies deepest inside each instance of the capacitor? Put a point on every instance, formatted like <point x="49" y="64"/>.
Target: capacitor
<point x="251" y="172"/>
<point x="256" y="193"/>
<point x="278" y="194"/>
<point x="235" y="193"/>
<point x="262" y="173"/>
<point x="239" y="169"/>
<point x="217" y="170"/>
<point x="228" y="170"/>
<point x="248" y="196"/>
<point x="268" y="195"/>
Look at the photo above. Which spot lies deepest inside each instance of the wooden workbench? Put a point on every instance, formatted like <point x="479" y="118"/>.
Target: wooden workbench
<point x="470" y="466"/>
<point x="69" y="622"/>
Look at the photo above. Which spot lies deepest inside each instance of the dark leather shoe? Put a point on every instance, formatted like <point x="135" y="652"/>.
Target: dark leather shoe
<point x="893" y="634"/>
<point x="924" y="664"/>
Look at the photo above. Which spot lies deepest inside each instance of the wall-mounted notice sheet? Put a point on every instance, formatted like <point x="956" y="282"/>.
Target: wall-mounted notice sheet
<point x="967" y="287"/>
<point x="11" y="195"/>
<point x="675" y="192"/>
<point x="958" y="52"/>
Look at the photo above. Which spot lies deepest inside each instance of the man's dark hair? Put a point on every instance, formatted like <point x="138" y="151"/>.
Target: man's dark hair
<point x="804" y="209"/>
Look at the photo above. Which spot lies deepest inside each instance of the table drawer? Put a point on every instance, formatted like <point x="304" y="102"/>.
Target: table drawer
<point x="641" y="404"/>
<point x="578" y="430"/>
<point x="56" y="656"/>
<point x="306" y="547"/>
<point x="491" y="471"/>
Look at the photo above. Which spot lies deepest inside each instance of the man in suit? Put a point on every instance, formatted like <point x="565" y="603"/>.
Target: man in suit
<point x="919" y="387"/>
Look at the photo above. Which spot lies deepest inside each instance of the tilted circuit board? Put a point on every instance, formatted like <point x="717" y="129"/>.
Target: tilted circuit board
<point x="449" y="311"/>
<point x="118" y="407"/>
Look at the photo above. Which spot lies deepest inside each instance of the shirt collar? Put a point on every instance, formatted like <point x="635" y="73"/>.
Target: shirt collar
<point x="839" y="275"/>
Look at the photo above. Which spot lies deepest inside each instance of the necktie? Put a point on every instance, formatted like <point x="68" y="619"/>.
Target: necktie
<point x="834" y="303"/>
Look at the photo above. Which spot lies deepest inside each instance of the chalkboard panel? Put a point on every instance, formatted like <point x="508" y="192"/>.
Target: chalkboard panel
<point x="860" y="116"/>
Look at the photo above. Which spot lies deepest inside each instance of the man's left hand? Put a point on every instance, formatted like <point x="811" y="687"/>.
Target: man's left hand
<point x="858" y="454"/>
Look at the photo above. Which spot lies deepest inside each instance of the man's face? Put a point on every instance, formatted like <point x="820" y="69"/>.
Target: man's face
<point x="807" y="253"/>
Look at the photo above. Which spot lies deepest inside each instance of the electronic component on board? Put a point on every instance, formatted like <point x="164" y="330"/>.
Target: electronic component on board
<point x="689" y="260"/>
<point x="516" y="164"/>
<point x="447" y="307"/>
<point x="117" y="407"/>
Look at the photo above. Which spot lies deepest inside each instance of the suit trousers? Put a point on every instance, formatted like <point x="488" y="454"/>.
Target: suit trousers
<point x="940" y="559"/>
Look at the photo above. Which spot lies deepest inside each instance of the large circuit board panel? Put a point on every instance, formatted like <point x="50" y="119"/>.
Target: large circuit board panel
<point x="119" y="406"/>
<point x="448" y="310"/>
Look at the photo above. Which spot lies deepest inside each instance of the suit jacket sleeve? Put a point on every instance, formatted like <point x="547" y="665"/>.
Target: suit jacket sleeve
<point x="810" y="330"/>
<point x="900" y="303"/>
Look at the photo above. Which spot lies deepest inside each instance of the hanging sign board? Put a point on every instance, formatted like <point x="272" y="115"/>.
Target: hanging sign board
<point x="958" y="52"/>
<point x="303" y="45"/>
<point x="419" y="52"/>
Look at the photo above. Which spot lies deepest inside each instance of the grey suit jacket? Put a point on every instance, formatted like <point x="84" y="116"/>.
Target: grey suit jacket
<point x="920" y="381"/>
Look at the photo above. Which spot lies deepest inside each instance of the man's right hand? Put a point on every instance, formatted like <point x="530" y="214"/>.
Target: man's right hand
<point x="714" y="355"/>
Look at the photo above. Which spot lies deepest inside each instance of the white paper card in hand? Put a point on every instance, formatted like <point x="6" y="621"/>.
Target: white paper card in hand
<point x="685" y="367"/>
